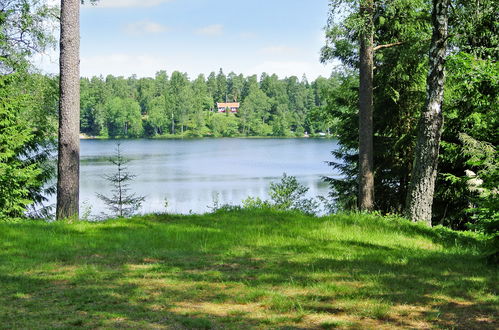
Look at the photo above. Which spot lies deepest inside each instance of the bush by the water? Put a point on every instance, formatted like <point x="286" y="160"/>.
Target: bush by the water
<point x="286" y="194"/>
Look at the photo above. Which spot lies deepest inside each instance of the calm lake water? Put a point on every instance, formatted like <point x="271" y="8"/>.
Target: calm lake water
<point x="192" y="174"/>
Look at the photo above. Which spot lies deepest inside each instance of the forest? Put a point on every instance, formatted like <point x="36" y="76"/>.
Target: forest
<point x="401" y="34"/>
<point x="175" y="106"/>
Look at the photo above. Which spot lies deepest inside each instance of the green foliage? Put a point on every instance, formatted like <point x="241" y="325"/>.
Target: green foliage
<point x="222" y="124"/>
<point x="123" y="118"/>
<point x="481" y="187"/>
<point x="471" y="104"/>
<point x="24" y="31"/>
<point x="470" y="140"/>
<point x="288" y="195"/>
<point x="158" y="121"/>
<point x="485" y="183"/>
<point x="342" y="104"/>
<point x="27" y="127"/>
<point x="471" y="120"/>
<point x="399" y="94"/>
<point x="176" y="106"/>
<point x="17" y="176"/>
<point x="474" y="28"/>
<point x="255" y="203"/>
<point x="253" y="113"/>
<point x="28" y="107"/>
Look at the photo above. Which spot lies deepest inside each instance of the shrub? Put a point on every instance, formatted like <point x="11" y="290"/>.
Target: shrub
<point x="287" y="194"/>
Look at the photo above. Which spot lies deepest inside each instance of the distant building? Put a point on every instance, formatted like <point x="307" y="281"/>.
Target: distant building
<point x="233" y="107"/>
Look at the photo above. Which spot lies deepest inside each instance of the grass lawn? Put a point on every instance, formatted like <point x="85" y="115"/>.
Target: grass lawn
<point x="243" y="269"/>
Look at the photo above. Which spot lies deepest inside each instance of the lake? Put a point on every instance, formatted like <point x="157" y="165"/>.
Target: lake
<point x="193" y="174"/>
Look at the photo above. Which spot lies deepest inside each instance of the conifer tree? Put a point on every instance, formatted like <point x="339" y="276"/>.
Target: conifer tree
<point x="68" y="180"/>
<point x="366" y="107"/>
<point x="121" y="202"/>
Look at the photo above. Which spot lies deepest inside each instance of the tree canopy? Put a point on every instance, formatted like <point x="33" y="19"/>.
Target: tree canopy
<point x="176" y="105"/>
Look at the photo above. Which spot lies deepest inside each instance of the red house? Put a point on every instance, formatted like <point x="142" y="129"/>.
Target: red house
<point x="232" y="107"/>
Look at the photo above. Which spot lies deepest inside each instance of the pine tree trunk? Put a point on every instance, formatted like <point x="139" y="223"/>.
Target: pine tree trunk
<point x="366" y="163"/>
<point x="421" y="189"/>
<point x="69" y="112"/>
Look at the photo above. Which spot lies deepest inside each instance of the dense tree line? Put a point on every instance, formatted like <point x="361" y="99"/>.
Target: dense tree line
<point x="467" y="179"/>
<point x="173" y="104"/>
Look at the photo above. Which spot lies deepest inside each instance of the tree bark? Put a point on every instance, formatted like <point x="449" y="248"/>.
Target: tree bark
<point x="421" y="189"/>
<point x="366" y="162"/>
<point x="69" y="112"/>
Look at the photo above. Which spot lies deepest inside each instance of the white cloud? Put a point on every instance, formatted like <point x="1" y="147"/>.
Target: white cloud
<point x="145" y="27"/>
<point x="277" y="50"/>
<point x="211" y="30"/>
<point x="130" y="3"/>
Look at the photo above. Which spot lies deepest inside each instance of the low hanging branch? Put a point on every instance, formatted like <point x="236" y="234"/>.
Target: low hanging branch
<point x="388" y="45"/>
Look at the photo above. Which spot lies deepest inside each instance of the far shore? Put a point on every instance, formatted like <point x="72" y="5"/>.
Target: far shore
<point x="175" y="137"/>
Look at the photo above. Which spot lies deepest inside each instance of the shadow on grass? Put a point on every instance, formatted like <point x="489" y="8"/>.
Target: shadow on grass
<point x="91" y="279"/>
<point x="443" y="235"/>
<point x="48" y="304"/>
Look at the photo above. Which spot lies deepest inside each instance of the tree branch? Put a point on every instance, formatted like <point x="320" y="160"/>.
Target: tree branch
<point x="388" y="45"/>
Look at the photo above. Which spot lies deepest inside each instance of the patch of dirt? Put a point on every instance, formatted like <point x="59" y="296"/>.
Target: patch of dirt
<point x="468" y="315"/>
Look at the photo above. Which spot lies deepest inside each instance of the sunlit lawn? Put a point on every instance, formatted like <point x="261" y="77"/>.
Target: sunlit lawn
<point x="243" y="269"/>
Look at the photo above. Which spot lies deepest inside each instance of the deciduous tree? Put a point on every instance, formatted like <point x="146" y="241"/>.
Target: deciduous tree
<point x="423" y="176"/>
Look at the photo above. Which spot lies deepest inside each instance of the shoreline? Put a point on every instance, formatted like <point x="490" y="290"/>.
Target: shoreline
<point x="86" y="137"/>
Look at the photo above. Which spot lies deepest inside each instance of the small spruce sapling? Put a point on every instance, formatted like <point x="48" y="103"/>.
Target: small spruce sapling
<point x="121" y="202"/>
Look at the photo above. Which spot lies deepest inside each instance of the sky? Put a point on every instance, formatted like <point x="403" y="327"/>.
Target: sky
<point x="141" y="37"/>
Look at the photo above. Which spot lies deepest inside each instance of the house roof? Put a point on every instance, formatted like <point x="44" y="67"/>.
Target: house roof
<point x="228" y="105"/>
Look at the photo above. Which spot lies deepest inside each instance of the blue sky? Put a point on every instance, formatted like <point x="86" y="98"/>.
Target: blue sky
<point x="124" y="37"/>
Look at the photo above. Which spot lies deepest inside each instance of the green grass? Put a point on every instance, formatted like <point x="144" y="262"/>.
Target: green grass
<point x="243" y="269"/>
